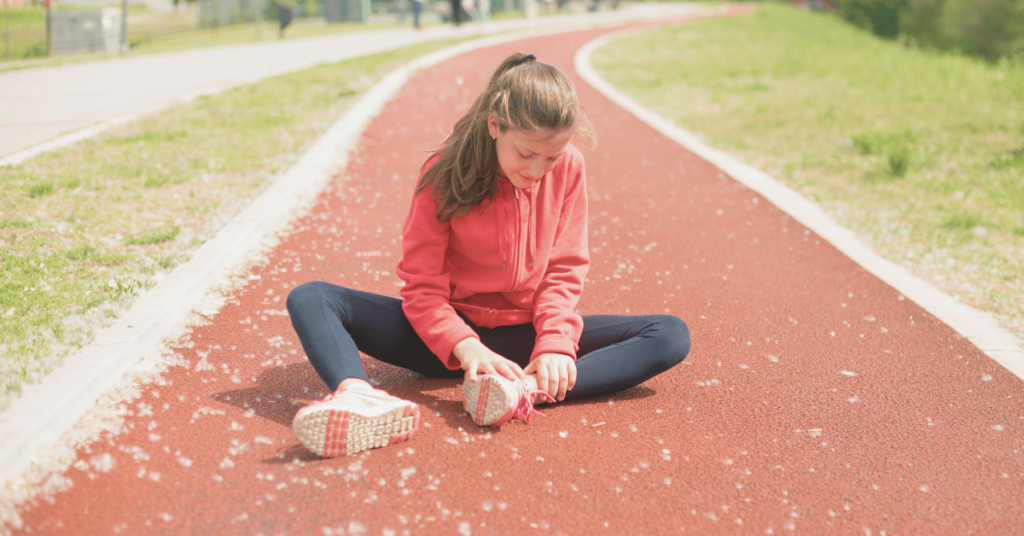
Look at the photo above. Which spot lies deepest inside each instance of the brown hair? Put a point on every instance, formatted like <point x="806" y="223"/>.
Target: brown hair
<point x="523" y="94"/>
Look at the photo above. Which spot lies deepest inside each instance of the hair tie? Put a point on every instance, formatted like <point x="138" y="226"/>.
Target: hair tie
<point x="524" y="59"/>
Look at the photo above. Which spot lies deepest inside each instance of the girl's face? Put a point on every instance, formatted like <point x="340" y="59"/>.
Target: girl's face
<point x="524" y="156"/>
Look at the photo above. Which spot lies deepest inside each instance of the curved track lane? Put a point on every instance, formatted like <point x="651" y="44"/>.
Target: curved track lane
<point x="816" y="399"/>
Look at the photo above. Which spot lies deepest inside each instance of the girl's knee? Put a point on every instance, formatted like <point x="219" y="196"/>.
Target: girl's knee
<point x="675" y="337"/>
<point x="305" y="294"/>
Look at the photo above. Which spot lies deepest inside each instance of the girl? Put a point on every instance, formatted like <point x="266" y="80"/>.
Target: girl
<point x="494" y="255"/>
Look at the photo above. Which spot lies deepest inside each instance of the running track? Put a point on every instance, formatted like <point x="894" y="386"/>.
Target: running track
<point x="816" y="399"/>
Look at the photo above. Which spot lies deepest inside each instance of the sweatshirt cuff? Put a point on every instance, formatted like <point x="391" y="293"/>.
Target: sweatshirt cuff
<point x="554" y="346"/>
<point x="448" y="342"/>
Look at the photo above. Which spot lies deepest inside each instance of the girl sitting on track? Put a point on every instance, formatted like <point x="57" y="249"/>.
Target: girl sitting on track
<point x="494" y="255"/>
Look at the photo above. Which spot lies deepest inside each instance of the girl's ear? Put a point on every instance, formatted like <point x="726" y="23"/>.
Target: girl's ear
<point x="492" y="126"/>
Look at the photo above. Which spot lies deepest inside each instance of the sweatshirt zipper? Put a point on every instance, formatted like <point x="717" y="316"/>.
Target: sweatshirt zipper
<point x="515" y="192"/>
<point x="515" y="248"/>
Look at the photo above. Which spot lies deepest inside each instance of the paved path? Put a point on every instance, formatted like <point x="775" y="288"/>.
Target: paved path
<point x="40" y="104"/>
<point x="817" y="400"/>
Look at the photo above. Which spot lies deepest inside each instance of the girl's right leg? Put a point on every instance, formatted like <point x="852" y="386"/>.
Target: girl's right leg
<point x="335" y="323"/>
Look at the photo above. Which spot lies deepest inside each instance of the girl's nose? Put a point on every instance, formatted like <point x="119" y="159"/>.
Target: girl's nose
<point x="536" y="171"/>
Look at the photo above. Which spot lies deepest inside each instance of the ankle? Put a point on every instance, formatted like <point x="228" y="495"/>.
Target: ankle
<point x="531" y="386"/>
<point x="353" y="383"/>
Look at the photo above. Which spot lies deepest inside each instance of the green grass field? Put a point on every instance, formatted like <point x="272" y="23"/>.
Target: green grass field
<point x="921" y="154"/>
<point x="84" y="229"/>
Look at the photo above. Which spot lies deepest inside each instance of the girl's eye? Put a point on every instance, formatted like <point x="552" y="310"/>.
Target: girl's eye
<point x="523" y="156"/>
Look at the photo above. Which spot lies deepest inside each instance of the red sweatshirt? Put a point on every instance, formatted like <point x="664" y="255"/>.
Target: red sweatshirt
<point x="518" y="258"/>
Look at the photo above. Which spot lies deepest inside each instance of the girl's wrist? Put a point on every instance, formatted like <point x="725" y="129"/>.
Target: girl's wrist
<point x="463" y="348"/>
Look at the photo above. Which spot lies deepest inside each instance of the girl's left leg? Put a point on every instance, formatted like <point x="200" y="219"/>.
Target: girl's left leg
<point x="615" y="353"/>
<point x="619" y="352"/>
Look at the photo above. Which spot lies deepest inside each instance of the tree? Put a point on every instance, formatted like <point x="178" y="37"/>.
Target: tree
<point x="882" y="17"/>
<point x="984" y="27"/>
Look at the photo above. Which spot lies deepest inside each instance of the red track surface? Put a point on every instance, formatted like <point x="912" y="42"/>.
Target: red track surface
<point x="816" y="400"/>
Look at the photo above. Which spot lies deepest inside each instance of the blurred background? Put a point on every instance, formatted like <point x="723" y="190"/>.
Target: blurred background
<point x="161" y="25"/>
<point x="989" y="29"/>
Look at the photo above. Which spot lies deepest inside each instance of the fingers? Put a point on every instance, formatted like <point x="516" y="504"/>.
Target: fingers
<point x="543" y="377"/>
<point x="555" y="374"/>
<point x="563" y="381"/>
<point x="496" y="364"/>
<point x="471" y="371"/>
<point x="566" y="377"/>
<point x="520" y="374"/>
<point x="509" y="370"/>
<point x="491" y="363"/>
<point x="553" y="380"/>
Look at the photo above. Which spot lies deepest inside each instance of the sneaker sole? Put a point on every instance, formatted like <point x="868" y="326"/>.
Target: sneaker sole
<point x="489" y="401"/>
<point x="331" y="432"/>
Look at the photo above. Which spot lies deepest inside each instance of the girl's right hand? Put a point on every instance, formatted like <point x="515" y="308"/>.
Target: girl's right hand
<point x="478" y="359"/>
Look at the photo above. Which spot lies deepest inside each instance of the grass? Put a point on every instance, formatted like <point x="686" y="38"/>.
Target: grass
<point x="85" y="228"/>
<point x="922" y="154"/>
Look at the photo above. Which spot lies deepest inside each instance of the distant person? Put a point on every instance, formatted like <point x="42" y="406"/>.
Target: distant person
<point x="494" y="255"/>
<point x="284" y="18"/>
<point x="417" y="9"/>
<point x="457" y="11"/>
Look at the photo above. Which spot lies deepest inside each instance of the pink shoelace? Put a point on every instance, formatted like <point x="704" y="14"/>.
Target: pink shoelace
<point x="525" y="409"/>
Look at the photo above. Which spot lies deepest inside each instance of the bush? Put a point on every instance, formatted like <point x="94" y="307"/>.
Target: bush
<point x="869" y="142"/>
<point x="36" y="50"/>
<point x="879" y="16"/>
<point x="1009" y="159"/>
<point x="895" y="143"/>
<point x="1014" y="51"/>
<point x="986" y="28"/>
<point x="921" y="23"/>
<point x="40" y="189"/>
<point x="899" y="159"/>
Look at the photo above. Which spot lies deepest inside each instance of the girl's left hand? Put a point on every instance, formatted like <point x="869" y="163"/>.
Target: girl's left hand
<point x="556" y="374"/>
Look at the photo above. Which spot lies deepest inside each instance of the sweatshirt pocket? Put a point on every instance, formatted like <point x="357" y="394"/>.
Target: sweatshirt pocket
<point x="486" y="317"/>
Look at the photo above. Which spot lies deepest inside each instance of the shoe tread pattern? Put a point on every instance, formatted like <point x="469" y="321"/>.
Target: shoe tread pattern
<point x="489" y="400"/>
<point x="331" y="432"/>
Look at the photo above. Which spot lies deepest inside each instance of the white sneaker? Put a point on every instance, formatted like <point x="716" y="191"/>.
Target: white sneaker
<point x="353" y="420"/>
<point x="493" y="400"/>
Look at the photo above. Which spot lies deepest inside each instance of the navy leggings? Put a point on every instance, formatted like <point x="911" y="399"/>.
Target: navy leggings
<point x="335" y="323"/>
